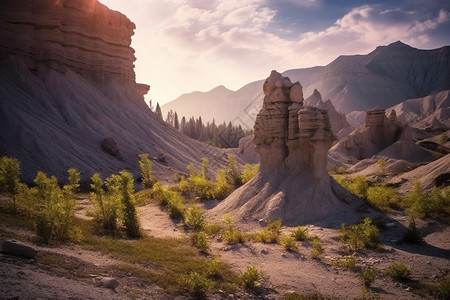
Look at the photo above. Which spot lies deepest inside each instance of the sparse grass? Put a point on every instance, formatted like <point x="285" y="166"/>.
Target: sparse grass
<point x="317" y="248"/>
<point x="399" y="272"/>
<point x="200" y="241"/>
<point x="251" y="277"/>
<point x="289" y="243"/>
<point x="300" y="233"/>
<point x="270" y="234"/>
<point x="346" y="262"/>
<point x="198" y="284"/>
<point x="368" y="276"/>
<point x="360" y="236"/>
<point x="231" y="234"/>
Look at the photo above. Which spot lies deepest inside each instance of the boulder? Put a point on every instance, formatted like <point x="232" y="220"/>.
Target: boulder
<point x="16" y="248"/>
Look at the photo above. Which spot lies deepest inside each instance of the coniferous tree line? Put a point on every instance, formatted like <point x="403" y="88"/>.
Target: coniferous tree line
<point x="223" y="135"/>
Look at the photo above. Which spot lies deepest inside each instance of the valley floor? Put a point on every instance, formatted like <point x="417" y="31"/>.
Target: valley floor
<point x="70" y="272"/>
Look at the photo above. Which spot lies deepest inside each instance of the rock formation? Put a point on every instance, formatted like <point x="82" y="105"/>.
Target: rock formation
<point x="378" y="132"/>
<point x="83" y="35"/>
<point x="68" y="96"/>
<point x="292" y="141"/>
<point x="338" y="121"/>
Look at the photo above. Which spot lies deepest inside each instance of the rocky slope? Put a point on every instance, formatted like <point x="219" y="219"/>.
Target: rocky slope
<point x="68" y="96"/>
<point x="292" y="141"/>
<point x="385" y="77"/>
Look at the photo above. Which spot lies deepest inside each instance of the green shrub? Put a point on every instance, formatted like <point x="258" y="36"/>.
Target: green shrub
<point x="317" y="248"/>
<point x="194" y="218"/>
<point x="198" y="284"/>
<point x="312" y="296"/>
<point x="106" y="203"/>
<point x="399" y="272"/>
<point x="347" y="262"/>
<point x="234" y="175"/>
<point x="128" y="212"/>
<point x="221" y="186"/>
<point x="148" y="180"/>
<point x="9" y="177"/>
<point x="413" y="234"/>
<point x="231" y="234"/>
<point x="435" y="205"/>
<point x="358" y="186"/>
<point x="382" y="197"/>
<point x="368" y="276"/>
<point x="300" y="233"/>
<point x="175" y="206"/>
<point x="289" y="243"/>
<point x="444" y="289"/>
<point x="381" y="165"/>
<point x="251" y="277"/>
<point x="250" y="171"/>
<point x="360" y="236"/>
<point x="270" y="234"/>
<point x="53" y="208"/>
<point x="200" y="241"/>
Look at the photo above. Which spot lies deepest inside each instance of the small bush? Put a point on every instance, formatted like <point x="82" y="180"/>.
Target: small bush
<point x="250" y="171"/>
<point x="359" y="186"/>
<point x="221" y="186"/>
<point x="317" y="248"/>
<point x="289" y="243"/>
<point x="413" y="234"/>
<point x="148" y="180"/>
<point x="382" y="197"/>
<point x="251" y="277"/>
<point x="399" y="272"/>
<point x="194" y="218"/>
<point x="444" y="289"/>
<point x="270" y="234"/>
<point x="176" y="206"/>
<point x="234" y="175"/>
<point x="347" y="262"/>
<point x="360" y="236"/>
<point x="200" y="241"/>
<point x="198" y="284"/>
<point x="300" y="233"/>
<point x="231" y="234"/>
<point x="368" y="276"/>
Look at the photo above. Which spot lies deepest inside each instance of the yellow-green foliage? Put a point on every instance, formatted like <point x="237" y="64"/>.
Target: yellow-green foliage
<point x="221" y="186"/>
<point x="289" y="243"/>
<point x="368" y="276"/>
<point x="170" y="199"/>
<point x="399" y="271"/>
<point x="234" y="175"/>
<point x="347" y="262"/>
<point x="106" y="203"/>
<point x="250" y="171"/>
<point x="381" y="164"/>
<point x="128" y="214"/>
<point x="231" y="234"/>
<point x="200" y="241"/>
<point x="382" y="197"/>
<point x="300" y="233"/>
<point x="358" y="186"/>
<point x="270" y="234"/>
<point x="9" y="176"/>
<point x="51" y="207"/>
<point x="148" y="180"/>
<point x="251" y="277"/>
<point x="434" y="205"/>
<point x="194" y="218"/>
<point x="360" y="236"/>
<point x="198" y="284"/>
<point x="317" y="248"/>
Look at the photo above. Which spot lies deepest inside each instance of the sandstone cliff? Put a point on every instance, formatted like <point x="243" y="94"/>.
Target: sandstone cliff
<point x="292" y="141"/>
<point x="68" y="96"/>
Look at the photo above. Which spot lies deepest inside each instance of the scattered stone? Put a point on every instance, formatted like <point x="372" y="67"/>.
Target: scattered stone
<point x="109" y="145"/>
<point x="107" y="282"/>
<point x="16" y="248"/>
<point x="390" y="225"/>
<point x="262" y="222"/>
<point x="264" y="251"/>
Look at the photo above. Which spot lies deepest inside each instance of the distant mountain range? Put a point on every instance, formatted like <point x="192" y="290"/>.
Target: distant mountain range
<point x="385" y="77"/>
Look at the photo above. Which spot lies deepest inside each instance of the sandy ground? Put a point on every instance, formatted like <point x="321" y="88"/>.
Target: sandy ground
<point x="286" y="271"/>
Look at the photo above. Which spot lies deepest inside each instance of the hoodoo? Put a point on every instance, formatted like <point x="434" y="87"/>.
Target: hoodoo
<point x="292" y="141"/>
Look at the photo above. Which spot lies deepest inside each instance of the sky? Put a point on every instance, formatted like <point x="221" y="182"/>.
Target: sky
<point x="195" y="45"/>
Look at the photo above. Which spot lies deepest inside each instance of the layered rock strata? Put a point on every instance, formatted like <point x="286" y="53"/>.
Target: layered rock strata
<point x="292" y="141"/>
<point x="83" y="35"/>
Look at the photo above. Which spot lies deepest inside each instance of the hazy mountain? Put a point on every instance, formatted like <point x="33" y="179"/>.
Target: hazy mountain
<point x="385" y="77"/>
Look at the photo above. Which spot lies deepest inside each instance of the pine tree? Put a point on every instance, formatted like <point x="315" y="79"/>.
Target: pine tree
<point x="158" y="111"/>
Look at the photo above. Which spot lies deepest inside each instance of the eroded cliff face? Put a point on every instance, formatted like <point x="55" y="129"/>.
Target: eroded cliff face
<point x="292" y="141"/>
<point x="82" y="35"/>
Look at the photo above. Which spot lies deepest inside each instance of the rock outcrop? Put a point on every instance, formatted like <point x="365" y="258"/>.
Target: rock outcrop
<point x="68" y="96"/>
<point x="338" y="121"/>
<point x="83" y="35"/>
<point x="378" y="132"/>
<point x="292" y="141"/>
